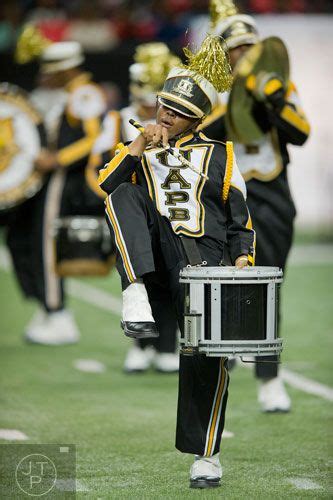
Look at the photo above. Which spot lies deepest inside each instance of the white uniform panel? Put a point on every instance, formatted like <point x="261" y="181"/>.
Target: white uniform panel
<point x="194" y="184"/>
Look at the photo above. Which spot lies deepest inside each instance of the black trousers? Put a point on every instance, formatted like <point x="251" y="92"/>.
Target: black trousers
<point x="149" y="249"/>
<point x="166" y="322"/>
<point x="272" y="249"/>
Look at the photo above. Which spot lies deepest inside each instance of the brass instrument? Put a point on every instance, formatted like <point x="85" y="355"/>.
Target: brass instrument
<point x="269" y="55"/>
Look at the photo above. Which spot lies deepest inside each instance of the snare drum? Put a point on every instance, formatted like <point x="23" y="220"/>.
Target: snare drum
<point x="83" y="246"/>
<point x="231" y="312"/>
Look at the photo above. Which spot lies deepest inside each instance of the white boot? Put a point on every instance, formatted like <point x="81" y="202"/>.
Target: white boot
<point x="137" y="318"/>
<point x="38" y="319"/>
<point x="138" y="360"/>
<point x="206" y="472"/>
<point x="166" y="362"/>
<point x="57" y="328"/>
<point x="136" y="306"/>
<point x="273" y="396"/>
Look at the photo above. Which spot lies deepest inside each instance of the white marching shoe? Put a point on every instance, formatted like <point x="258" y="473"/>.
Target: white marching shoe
<point x="206" y="472"/>
<point x="166" y="362"/>
<point x="137" y="318"/>
<point x="138" y="360"/>
<point x="54" y="328"/>
<point x="38" y="319"/>
<point x="273" y="397"/>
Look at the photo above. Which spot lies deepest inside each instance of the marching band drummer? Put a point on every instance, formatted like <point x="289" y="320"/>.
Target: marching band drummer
<point x="172" y="207"/>
<point x="74" y="129"/>
<point x="152" y="63"/>
<point x="277" y="111"/>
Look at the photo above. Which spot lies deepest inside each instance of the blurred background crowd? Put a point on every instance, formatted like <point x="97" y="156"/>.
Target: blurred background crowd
<point x="102" y="25"/>
<point x="109" y="30"/>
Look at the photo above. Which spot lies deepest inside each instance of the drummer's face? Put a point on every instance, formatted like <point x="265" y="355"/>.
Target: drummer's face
<point x="236" y="53"/>
<point x="175" y="122"/>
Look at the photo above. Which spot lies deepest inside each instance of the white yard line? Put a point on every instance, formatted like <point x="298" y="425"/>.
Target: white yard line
<point x="300" y="382"/>
<point x="311" y="254"/>
<point x="107" y="302"/>
<point x="306" y="384"/>
<point x="92" y="295"/>
<point x="12" y="435"/>
<point x="78" y="289"/>
<point x="303" y="483"/>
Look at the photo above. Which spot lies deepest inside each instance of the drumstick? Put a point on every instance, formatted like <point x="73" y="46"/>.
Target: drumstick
<point x="168" y="149"/>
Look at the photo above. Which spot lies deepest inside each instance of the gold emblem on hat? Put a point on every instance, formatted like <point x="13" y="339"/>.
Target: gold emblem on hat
<point x="184" y="87"/>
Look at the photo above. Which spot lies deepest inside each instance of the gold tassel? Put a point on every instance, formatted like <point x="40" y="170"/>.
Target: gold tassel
<point x="221" y="9"/>
<point x="30" y="45"/>
<point x="211" y="62"/>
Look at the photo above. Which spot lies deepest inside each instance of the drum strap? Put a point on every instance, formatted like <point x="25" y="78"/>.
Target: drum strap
<point x="191" y="250"/>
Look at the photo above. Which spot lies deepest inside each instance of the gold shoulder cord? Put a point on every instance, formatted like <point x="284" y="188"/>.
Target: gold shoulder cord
<point x="228" y="170"/>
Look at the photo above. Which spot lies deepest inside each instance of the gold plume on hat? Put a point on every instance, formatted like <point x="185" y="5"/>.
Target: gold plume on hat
<point x="221" y="9"/>
<point x="211" y="62"/>
<point x="157" y="61"/>
<point x="30" y="44"/>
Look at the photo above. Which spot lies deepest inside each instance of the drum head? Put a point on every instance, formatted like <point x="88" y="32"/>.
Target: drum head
<point x="20" y="143"/>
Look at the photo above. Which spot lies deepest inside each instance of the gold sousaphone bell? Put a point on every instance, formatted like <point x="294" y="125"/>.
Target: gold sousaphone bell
<point x="269" y="55"/>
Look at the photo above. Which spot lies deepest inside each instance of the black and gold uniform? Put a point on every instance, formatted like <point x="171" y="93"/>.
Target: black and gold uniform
<point x="154" y="202"/>
<point x="269" y="104"/>
<point x="263" y="165"/>
<point x="264" y="168"/>
<point x="30" y="236"/>
<point x="116" y="127"/>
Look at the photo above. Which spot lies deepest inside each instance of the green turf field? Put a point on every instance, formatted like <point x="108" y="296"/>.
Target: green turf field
<point x="123" y="425"/>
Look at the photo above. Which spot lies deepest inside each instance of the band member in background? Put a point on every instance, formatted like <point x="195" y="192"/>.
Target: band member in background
<point x="275" y="109"/>
<point x="72" y="131"/>
<point x="156" y="208"/>
<point x="152" y="63"/>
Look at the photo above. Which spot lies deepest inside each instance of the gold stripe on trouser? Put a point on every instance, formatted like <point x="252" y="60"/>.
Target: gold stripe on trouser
<point x="120" y="241"/>
<point x="216" y="410"/>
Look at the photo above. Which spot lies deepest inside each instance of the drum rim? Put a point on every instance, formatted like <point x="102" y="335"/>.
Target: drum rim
<point x="230" y="273"/>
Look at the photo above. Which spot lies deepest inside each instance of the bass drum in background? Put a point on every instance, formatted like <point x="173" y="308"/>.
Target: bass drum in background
<point x="21" y="139"/>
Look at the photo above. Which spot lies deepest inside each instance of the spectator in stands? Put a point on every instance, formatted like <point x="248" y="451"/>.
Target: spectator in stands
<point x="94" y="32"/>
<point x="50" y="18"/>
<point x="10" y="24"/>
